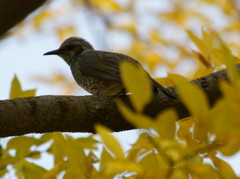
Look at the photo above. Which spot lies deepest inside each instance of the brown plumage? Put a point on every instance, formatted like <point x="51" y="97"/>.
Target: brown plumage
<point x="97" y="71"/>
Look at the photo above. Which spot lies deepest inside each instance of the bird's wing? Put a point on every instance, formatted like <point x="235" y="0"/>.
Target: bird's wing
<point x="102" y="65"/>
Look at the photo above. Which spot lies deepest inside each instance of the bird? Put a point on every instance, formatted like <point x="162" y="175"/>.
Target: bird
<point x="98" y="72"/>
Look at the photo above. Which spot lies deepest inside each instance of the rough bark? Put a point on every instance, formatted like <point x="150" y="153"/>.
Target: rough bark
<point x="80" y="113"/>
<point x="14" y="11"/>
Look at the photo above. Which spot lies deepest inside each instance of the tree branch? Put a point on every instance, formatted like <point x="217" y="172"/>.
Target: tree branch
<point x="14" y="11"/>
<point x="80" y="113"/>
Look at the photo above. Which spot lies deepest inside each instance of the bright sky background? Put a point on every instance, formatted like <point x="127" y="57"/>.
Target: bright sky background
<point x="23" y="56"/>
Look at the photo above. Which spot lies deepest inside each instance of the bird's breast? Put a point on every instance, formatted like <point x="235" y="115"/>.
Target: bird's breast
<point x="93" y="84"/>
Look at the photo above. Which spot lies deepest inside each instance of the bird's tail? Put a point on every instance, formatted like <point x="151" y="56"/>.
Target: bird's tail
<point x="157" y="87"/>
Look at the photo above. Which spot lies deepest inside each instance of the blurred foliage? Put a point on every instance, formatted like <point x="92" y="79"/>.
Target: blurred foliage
<point x="168" y="148"/>
<point x="17" y="92"/>
<point x="154" y="33"/>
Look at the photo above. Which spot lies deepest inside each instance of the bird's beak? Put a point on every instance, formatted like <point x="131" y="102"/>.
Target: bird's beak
<point x="54" y="52"/>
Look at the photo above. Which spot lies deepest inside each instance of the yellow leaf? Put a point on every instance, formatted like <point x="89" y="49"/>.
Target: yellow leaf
<point x="7" y="158"/>
<point x="209" y="1"/>
<point x="137" y="82"/>
<point x="88" y="142"/>
<point x="16" y="90"/>
<point x="28" y="93"/>
<point x="138" y="120"/>
<point x="77" y="160"/>
<point x="31" y="170"/>
<point x="107" y="5"/>
<point x="141" y="147"/>
<point x="226" y="52"/>
<point x="34" y="155"/>
<point x="58" y="147"/>
<point x="178" y="79"/>
<point x="40" y="18"/>
<point x="202" y="71"/>
<point x="230" y="62"/>
<point x="194" y="98"/>
<point x="22" y="145"/>
<point x="105" y="158"/>
<point x="230" y="92"/>
<point x="155" y="36"/>
<point x="218" y="115"/>
<point x="233" y="26"/>
<point x="224" y="168"/>
<point x="217" y="56"/>
<point x="196" y="102"/>
<point x="199" y="43"/>
<point x="44" y="138"/>
<point x="131" y="28"/>
<point x="165" y="81"/>
<point x="232" y="143"/>
<point x="184" y="130"/>
<point x="110" y="142"/>
<point x="179" y="173"/>
<point x="153" y="60"/>
<point x="202" y="59"/>
<point x="120" y="166"/>
<point x="3" y="171"/>
<point x="155" y="167"/>
<point x="200" y="170"/>
<point x="166" y="123"/>
<point x="208" y="38"/>
<point x="18" y="167"/>
<point x="55" y="171"/>
<point x="65" y="31"/>
<point x="70" y="174"/>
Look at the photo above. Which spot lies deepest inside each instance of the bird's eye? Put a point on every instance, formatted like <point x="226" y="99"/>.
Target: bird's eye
<point x="70" y="47"/>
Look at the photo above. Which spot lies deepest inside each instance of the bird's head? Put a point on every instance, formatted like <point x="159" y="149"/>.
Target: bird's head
<point x="71" y="48"/>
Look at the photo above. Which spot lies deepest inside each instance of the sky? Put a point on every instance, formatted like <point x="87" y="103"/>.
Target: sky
<point x="23" y="56"/>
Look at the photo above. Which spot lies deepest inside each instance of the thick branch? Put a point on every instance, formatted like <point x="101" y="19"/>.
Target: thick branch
<point x="80" y="113"/>
<point x="14" y="11"/>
